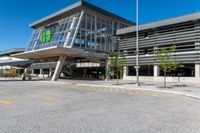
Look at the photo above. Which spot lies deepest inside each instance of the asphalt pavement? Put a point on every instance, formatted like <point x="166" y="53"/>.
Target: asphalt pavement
<point x="44" y="107"/>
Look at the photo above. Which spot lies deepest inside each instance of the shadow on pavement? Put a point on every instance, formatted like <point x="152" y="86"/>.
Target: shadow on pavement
<point x="19" y="80"/>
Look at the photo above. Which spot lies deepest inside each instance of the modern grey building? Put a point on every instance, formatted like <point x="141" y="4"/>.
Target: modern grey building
<point x="182" y="31"/>
<point x="78" y="38"/>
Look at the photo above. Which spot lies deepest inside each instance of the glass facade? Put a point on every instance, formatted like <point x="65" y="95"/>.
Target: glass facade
<point x="62" y="31"/>
<point x="96" y="33"/>
<point x="86" y="30"/>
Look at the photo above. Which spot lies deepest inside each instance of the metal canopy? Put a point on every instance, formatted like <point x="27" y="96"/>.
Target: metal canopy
<point x="53" y="52"/>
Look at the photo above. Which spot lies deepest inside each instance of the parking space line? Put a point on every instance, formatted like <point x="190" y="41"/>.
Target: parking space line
<point x="48" y="98"/>
<point x="5" y="102"/>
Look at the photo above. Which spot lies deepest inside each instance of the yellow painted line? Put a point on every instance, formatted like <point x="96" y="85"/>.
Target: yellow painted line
<point x="48" y="98"/>
<point x="91" y="93"/>
<point x="5" y="102"/>
<point x="110" y="89"/>
<point x="130" y="92"/>
<point x="91" y="88"/>
<point x="144" y="93"/>
<point x="137" y="92"/>
<point x="117" y="90"/>
<point x="105" y="89"/>
<point x="123" y="90"/>
<point x="155" y="94"/>
<point x="120" y="90"/>
<point x="100" y="89"/>
<point x="97" y="89"/>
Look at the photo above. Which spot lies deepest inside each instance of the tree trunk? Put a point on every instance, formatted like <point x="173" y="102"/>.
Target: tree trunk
<point x="117" y="79"/>
<point x="164" y="79"/>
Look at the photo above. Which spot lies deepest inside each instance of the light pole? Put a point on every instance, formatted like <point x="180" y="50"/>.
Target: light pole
<point x="137" y="47"/>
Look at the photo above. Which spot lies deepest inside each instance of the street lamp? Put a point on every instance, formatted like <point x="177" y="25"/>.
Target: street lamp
<point x="137" y="47"/>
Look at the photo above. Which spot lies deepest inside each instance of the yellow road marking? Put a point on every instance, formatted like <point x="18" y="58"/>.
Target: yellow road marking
<point x="109" y="89"/>
<point x="117" y="90"/>
<point x="48" y="98"/>
<point x="123" y="90"/>
<point x="144" y="93"/>
<point x="91" y="93"/>
<point x="130" y="91"/>
<point x="105" y="89"/>
<point x="5" y="102"/>
<point x="91" y="88"/>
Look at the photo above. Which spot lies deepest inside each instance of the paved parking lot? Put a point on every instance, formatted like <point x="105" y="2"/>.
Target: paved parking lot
<point x="43" y="107"/>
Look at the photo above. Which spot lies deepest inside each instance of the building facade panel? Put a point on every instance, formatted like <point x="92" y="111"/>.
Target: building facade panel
<point x="184" y="35"/>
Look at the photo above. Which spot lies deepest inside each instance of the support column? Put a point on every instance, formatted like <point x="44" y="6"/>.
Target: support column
<point x="50" y="72"/>
<point x="197" y="70"/>
<point x="58" y="69"/>
<point x="32" y="71"/>
<point x="156" y="71"/>
<point x="125" y="71"/>
<point x="41" y="73"/>
<point x="24" y="75"/>
<point x="107" y="68"/>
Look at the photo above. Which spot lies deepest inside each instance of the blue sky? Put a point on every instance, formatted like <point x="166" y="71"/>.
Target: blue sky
<point x="16" y="15"/>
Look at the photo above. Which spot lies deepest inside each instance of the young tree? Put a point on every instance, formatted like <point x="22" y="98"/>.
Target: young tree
<point x="116" y="62"/>
<point x="164" y="60"/>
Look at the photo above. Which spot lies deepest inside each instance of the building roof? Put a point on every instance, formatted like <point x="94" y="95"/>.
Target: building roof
<point x="75" y="6"/>
<point x="160" y="23"/>
<point x="11" y="51"/>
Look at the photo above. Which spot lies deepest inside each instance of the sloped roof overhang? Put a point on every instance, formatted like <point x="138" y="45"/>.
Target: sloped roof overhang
<point x="54" y="52"/>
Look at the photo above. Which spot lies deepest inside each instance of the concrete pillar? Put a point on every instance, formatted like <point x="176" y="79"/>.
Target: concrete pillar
<point x="50" y="72"/>
<point x="197" y="70"/>
<point x="41" y="71"/>
<point x="25" y="74"/>
<point x="58" y="69"/>
<point x="125" y="72"/>
<point x="32" y="71"/>
<point x="107" y="68"/>
<point x="156" y="71"/>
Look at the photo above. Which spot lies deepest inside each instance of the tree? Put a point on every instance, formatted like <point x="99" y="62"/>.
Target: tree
<point x="165" y="61"/>
<point x="116" y="62"/>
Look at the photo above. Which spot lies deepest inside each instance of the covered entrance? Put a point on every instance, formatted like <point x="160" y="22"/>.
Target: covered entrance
<point x="69" y="64"/>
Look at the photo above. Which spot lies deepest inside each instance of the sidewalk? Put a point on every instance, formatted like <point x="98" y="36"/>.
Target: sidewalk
<point x="186" y="89"/>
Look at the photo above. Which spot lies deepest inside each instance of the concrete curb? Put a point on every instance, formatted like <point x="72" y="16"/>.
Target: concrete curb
<point x="136" y="88"/>
<point x="131" y="88"/>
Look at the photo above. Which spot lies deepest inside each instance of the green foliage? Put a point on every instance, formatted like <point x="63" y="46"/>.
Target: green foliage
<point x="116" y="63"/>
<point x="163" y="58"/>
<point x="165" y="61"/>
<point x="108" y="72"/>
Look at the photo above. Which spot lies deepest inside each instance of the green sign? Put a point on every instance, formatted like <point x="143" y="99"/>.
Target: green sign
<point x="45" y="36"/>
